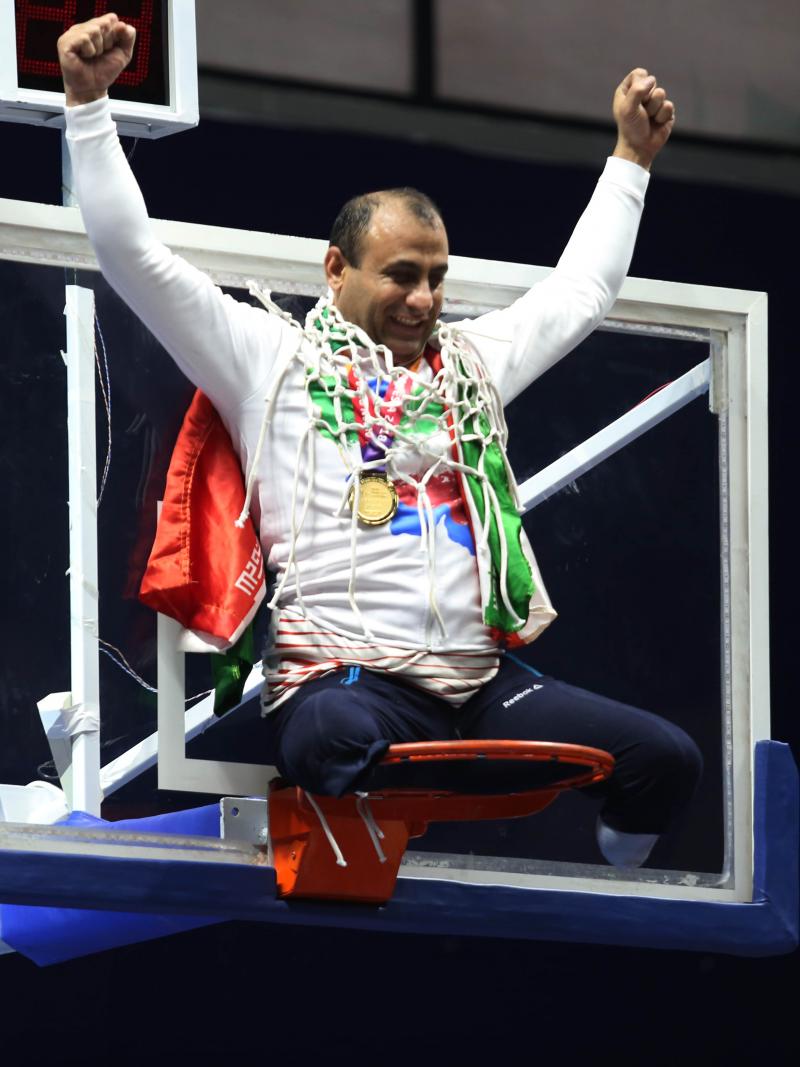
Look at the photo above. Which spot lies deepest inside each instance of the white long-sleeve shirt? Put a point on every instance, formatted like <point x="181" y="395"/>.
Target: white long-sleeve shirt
<point x="232" y="351"/>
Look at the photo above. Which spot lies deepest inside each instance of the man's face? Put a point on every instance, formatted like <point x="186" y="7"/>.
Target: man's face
<point x="395" y="293"/>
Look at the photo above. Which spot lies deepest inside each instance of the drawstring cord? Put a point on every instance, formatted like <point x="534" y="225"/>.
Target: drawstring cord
<point x="340" y="860"/>
<point x="376" y="835"/>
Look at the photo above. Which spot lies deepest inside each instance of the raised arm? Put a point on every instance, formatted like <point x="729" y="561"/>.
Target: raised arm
<point x="223" y="346"/>
<point x="522" y="341"/>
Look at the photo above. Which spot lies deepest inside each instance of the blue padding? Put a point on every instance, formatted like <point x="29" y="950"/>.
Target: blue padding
<point x="764" y="926"/>
<point x="52" y="935"/>
<point x="194" y="822"/>
<point x="776" y="836"/>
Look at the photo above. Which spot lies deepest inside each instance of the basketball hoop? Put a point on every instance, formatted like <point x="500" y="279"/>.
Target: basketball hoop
<point x="351" y="847"/>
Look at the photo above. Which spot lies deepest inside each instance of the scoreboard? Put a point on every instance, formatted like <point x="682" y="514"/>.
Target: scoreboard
<point x="39" y="26"/>
<point x="155" y="95"/>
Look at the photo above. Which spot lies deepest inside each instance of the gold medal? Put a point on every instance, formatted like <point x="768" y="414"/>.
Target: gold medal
<point x="377" y="498"/>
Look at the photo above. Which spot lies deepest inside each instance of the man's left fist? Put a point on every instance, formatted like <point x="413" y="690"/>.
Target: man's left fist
<point x="644" y="118"/>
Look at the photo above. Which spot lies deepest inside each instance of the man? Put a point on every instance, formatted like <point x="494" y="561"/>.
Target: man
<point x="373" y="439"/>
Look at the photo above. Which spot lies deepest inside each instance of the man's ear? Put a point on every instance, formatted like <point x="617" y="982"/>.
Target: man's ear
<point x="335" y="268"/>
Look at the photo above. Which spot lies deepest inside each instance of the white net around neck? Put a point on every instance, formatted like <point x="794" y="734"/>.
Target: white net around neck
<point x="458" y="402"/>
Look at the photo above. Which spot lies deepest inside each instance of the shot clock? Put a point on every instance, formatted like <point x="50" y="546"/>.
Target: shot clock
<point x="156" y="95"/>
<point x="39" y="26"/>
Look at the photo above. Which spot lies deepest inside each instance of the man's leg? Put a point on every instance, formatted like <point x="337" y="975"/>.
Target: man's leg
<point x="657" y="765"/>
<point x="329" y="736"/>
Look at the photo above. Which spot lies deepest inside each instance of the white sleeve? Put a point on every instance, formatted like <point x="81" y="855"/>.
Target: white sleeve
<point x="522" y="341"/>
<point x="226" y="347"/>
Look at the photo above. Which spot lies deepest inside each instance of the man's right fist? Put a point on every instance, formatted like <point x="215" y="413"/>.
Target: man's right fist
<point x="93" y="55"/>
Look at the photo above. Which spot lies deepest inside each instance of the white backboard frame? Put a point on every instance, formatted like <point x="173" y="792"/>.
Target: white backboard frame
<point x="737" y="320"/>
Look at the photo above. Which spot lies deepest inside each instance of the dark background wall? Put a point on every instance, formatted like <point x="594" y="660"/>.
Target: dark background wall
<point x="334" y="995"/>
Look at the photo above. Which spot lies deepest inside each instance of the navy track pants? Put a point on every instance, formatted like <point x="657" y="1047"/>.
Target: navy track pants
<point x="329" y="736"/>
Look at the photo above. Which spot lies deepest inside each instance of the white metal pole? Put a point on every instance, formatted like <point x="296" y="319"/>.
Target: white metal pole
<point x="85" y="666"/>
<point x="171" y="697"/>
<point x="67" y="188"/>
<point x="606" y="442"/>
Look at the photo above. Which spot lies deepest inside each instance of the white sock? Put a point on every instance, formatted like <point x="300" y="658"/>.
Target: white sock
<point x="623" y="850"/>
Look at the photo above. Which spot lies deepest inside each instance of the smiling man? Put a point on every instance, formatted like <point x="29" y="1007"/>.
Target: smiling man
<point x="386" y="268"/>
<point x="373" y="442"/>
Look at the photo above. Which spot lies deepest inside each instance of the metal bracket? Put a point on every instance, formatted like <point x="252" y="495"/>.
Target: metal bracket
<point x="244" y="819"/>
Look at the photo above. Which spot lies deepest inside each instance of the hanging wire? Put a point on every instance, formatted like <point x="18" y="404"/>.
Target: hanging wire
<point x="105" y="389"/>
<point x="653" y="393"/>
<point x="123" y="665"/>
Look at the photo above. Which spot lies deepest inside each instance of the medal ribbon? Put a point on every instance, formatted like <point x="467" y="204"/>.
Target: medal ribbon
<point x="375" y="443"/>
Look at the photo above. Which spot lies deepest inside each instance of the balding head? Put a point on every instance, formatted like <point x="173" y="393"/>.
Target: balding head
<point x="353" y="221"/>
<point x="387" y="271"/>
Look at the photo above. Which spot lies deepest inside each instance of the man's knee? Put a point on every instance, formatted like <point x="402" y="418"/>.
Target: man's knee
<point x="654" y="779"/>
<point x="328" y="744"/>
<point x="677" y="760"/>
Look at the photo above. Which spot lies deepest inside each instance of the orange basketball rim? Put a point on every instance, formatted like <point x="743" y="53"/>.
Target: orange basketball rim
<point x="351" y="847"/>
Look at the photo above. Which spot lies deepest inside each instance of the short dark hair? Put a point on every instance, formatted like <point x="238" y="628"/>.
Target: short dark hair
<point x="352" y="222"/>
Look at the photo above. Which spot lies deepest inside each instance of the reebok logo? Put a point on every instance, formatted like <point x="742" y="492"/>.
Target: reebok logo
<point x="520" y="695"/>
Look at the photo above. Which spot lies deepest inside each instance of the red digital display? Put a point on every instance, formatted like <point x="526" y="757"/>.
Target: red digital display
<point x="38" y="27"/>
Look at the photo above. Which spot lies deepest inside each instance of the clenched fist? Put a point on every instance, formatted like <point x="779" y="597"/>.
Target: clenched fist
<point x="93" y="55"/>
<point x="644" y="118"/>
